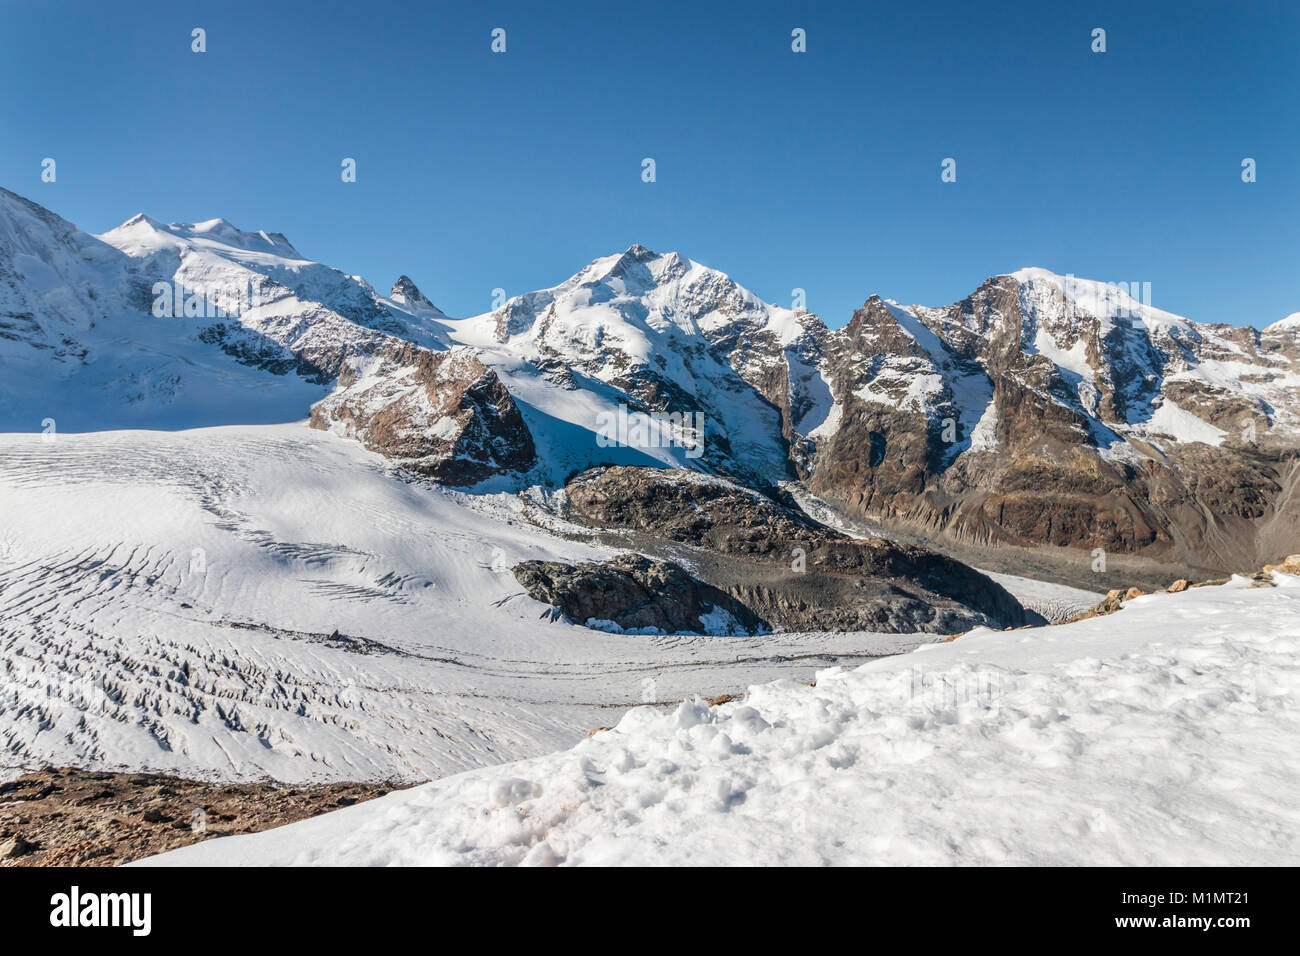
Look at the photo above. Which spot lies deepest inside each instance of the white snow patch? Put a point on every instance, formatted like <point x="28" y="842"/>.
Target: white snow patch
<point x="1292" y="321"/>
<point x="1182" y="425"/>
<point x="984" y="436"/>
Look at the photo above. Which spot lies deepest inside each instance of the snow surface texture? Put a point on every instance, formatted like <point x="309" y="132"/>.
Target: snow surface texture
<point x="1165" y="734"/>
<point x="169" y="602"/>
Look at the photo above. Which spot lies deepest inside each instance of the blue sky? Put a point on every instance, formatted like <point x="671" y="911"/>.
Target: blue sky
<point x="818" y="170"/>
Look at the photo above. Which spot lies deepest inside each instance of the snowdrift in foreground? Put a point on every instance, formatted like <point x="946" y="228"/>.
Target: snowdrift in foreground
<point x="1168" y="733"/>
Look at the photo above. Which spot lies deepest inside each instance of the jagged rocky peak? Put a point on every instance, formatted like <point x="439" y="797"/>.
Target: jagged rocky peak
<point x="1048" y="409"/>
<point x="638" y="253"/>
<point x="640" y="266"/>
<point x="408" y="295"/>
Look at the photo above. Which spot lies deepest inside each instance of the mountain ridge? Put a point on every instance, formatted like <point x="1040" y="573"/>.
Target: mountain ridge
<point x="1039" y="410"/>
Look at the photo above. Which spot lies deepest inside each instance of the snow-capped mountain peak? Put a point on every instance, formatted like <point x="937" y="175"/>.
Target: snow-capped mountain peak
<point x="143" y="219"/>
<point x="407" y="294"/>
<point x="1107" y="302"/>
<point x="666" y="334"/>
<point x="652" y="291"/>
<point x="143" y="235"/>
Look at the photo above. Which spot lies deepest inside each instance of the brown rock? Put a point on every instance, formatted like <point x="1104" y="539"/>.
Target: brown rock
<point x="1047" y="483"/>
<point x="1132" y="593"/>
<point x="1179" y="585"/>
<point x="445" y="415"/>
<point x="13" y="848"/>
<point x="1113" y="602"/>
<point x="1290" y="565"/>
<point x="65" y="829"/>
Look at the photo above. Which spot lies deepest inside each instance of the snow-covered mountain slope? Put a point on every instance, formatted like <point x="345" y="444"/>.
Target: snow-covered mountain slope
<point x="274" y="601"/>
<point x="1169" y="438"/>
<point x="1120" y="379"/>
<point x="222" y="261"/>
<point x="1042" y="409"/>
<point x="654" y="333"/>
<point x="1166" y="734"/>
<point x="173" y="326"/>
<point x="1112" y="367"/>
<point x="1130" y="364"/>
<point x="81" y="350"/>
<point x="271" y="600"/>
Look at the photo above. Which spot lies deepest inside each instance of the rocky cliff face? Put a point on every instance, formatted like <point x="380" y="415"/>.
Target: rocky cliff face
<point x="444" y="415"/>
<point x="1043" y="410"/>
<point x="1040" y="410"/>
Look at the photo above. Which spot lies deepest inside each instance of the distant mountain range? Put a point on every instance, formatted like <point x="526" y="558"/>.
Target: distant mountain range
<point x="1040" y="412"/>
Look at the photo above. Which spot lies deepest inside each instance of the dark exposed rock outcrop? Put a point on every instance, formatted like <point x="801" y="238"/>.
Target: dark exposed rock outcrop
<point x="784" y="567"/>
<point x="636" y="594"/>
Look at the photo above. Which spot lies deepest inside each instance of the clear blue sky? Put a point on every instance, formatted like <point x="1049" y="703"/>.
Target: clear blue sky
<point x="817" y="170"/>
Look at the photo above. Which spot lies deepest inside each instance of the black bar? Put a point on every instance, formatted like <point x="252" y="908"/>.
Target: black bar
<point x="972" y="907"/>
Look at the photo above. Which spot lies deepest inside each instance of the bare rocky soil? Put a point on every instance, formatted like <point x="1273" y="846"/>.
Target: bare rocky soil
<point x="70" y="817"/>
